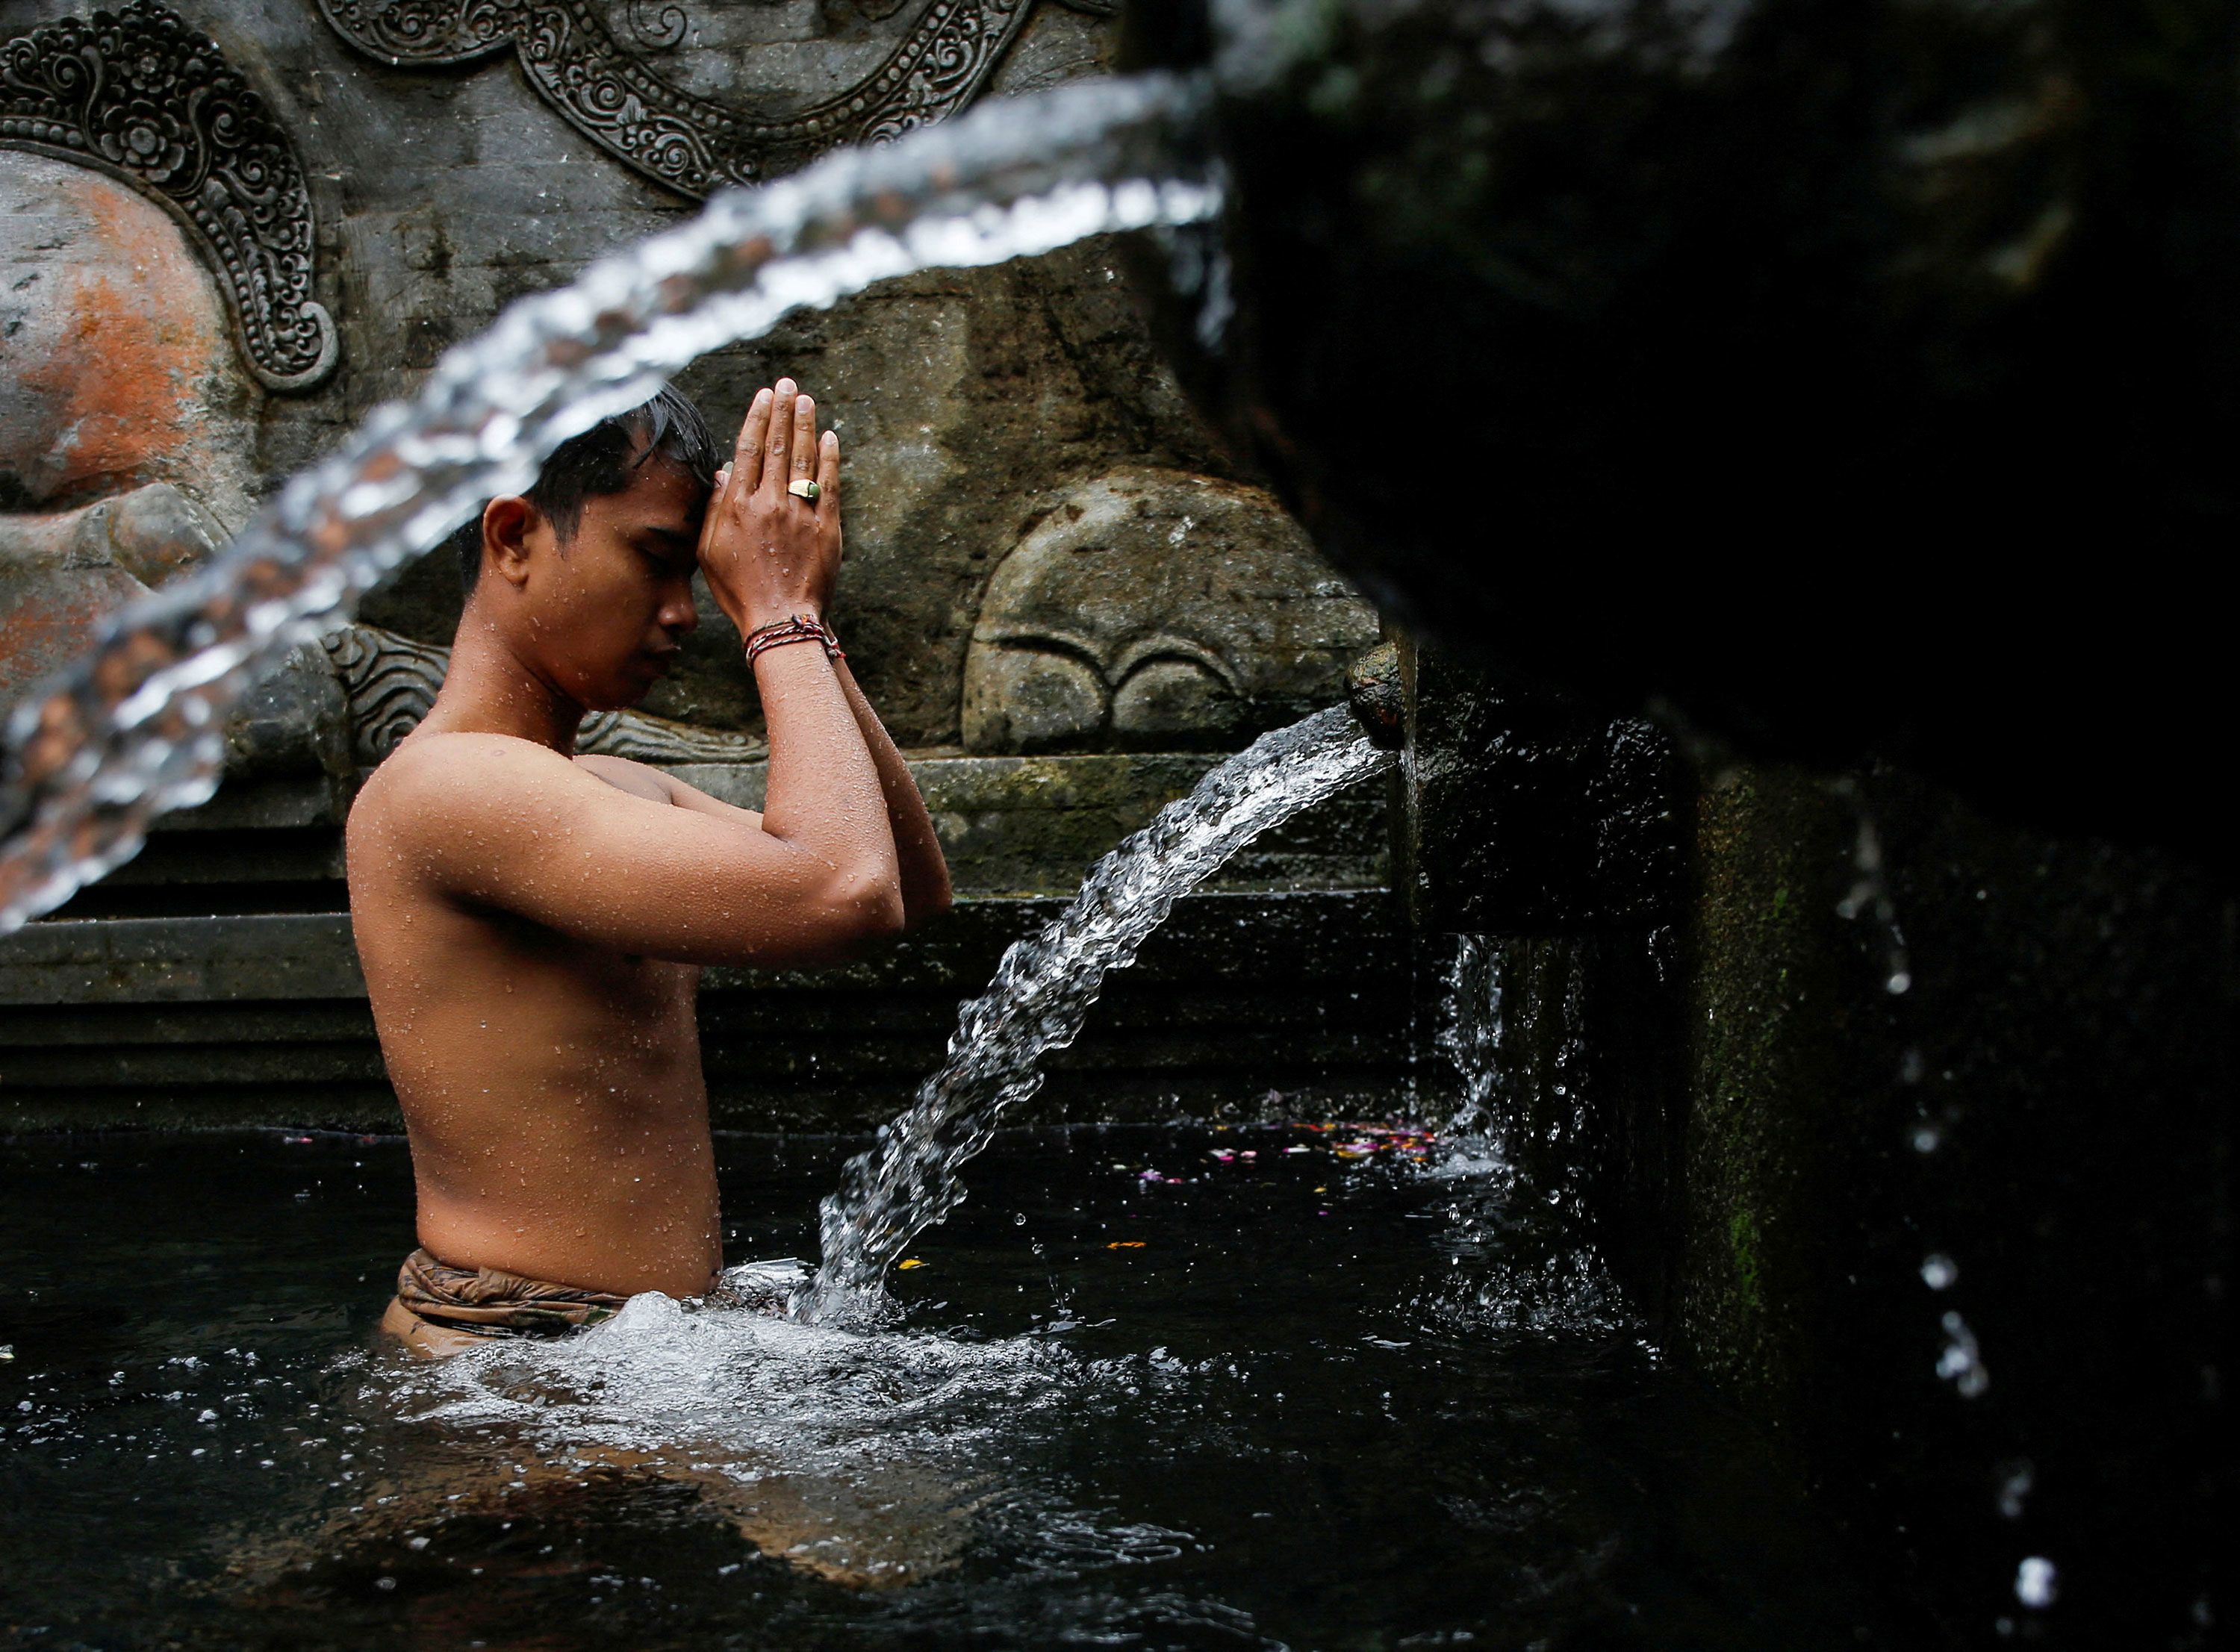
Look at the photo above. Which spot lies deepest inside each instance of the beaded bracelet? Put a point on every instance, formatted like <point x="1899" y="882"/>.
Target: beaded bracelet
<point x="797" y="628"/>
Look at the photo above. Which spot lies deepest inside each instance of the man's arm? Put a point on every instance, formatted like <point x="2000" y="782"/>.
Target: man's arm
<point x="917" y="852"/>
<point x="771" y="555"/>
<point x="917" y="849"/>
<point x="922" y="871"/>
<point x="498" y="822"/>
<point x="509" y="824"/>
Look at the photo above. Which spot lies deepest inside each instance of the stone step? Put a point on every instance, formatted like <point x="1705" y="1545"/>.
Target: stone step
<point x="262" y="1018"/>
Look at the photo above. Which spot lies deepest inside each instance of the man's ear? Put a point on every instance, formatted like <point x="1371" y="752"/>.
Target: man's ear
<point x="509" y="523"/>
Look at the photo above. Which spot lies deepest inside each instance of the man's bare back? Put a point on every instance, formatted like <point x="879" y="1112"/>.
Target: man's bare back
<point x="532" y="923"/>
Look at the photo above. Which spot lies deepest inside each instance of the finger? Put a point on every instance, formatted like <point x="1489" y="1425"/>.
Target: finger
<point x="827" y="472"/>
<point x="805" y="438"/>
<point x="713" y="515"/>
<point x="777" y="445"/>
<point x="747" y="457"/>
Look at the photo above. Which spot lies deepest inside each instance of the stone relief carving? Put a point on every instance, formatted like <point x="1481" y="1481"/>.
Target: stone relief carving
<point x="1157" y="611"/>
<point x="694" y="143"/>
<point x="126" y="418"/>
<point x="119" y="364"/>
<point x="392" y="682"/>
<point x="138" y="95"/>
<point x="62" y="573"/>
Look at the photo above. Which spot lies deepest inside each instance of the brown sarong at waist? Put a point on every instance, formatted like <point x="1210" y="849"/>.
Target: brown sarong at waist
<point x="485" y="1302"/>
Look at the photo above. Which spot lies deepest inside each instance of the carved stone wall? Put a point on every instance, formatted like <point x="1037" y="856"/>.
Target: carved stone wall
<point x="115" y="367"/>
<point x="449" y="156"/>
<point x="125" y="420"/>
<point x="1155" y="610"/>
<point x="139" y="93"/>
<point x="1020" y="464"/>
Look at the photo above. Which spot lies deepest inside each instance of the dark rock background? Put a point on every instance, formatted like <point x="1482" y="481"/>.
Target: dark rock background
<point x="1962" y="1248"/>
<point x="1829" y="378"/>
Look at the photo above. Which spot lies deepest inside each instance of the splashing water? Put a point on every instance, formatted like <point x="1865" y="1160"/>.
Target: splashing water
<point x="1470" y="1037"/>
<point x="1042" y="989"/>
<point x="859" y="1455"/>
<point x="134" y="729"/>
<point x="1517" y="1219"/>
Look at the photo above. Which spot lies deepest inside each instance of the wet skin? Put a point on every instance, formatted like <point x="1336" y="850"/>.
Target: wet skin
<point x="532" y="923"/>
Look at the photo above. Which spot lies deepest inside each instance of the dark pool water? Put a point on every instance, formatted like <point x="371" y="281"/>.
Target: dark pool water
<point x="1274" y="1401"/>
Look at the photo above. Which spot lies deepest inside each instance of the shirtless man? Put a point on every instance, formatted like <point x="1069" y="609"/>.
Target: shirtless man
<point x="532" y="923"/>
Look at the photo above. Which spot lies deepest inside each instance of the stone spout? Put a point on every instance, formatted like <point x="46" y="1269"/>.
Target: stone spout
<point x="1379" y="699"/>
<point x="1766" y="369"/>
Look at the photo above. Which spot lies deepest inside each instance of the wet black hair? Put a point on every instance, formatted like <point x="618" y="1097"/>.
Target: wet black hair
<point x="602" y="461"/>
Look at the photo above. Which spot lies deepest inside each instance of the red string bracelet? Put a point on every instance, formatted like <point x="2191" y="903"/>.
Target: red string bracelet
<point x="796" y="628"/>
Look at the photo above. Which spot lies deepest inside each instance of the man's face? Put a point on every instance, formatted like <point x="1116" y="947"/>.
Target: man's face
<point x="608" y="610"/>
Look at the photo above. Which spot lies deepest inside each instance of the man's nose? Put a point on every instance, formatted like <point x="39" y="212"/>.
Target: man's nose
<point x="680" y="613"/>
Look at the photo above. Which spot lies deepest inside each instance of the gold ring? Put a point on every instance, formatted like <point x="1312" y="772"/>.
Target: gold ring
<point x="802" y="488"/>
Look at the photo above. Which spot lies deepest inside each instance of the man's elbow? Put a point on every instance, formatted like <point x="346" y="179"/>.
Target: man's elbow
<point x="865" y="910"/>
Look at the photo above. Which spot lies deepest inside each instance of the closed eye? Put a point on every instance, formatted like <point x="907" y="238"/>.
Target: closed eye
<point x="668" y="561"/>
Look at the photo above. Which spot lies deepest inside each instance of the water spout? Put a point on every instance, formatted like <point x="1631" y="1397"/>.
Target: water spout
<point x="1042" y="991"/>
<point x="134" y="729"/>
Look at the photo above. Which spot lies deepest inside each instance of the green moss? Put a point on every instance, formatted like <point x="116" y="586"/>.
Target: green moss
<point x="1741" y="1237"/>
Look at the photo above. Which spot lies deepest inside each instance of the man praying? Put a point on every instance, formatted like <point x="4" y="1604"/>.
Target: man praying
<point x="532" y="921"/>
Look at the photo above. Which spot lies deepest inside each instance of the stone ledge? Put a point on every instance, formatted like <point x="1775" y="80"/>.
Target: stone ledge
<point x="287" y="956"/>
<point x="262" y="1019"/>
<point x="262" y="805"/>
<point x="1035" y="824"/>
<point x="175" y="960"/>
<point x="1009" y="825"/>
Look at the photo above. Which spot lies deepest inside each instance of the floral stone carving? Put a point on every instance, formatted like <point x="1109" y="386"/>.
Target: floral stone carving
<point x="1155" y="610"/>
<point x="138" y="95"/>
<point x="693" y="145"/>
<point x="392" y="682"/>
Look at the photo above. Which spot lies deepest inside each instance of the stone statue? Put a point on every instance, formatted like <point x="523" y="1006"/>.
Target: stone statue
<point x="1157" y="611"/>
<point x="129" y="400"/>
<point x="126" y="422"/>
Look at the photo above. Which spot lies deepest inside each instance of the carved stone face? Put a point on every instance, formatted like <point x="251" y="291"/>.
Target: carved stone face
<point x="1157" y="611"/>
<point x="125" y="420"/>
<point x="115" y="365"/>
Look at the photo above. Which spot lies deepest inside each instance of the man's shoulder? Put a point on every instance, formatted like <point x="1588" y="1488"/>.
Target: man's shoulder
<point x="627" y="774"/>
<point x="434" y="777"/>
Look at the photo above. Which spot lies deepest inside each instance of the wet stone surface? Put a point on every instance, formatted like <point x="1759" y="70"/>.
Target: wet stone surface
<point x="1156" y="1387"/>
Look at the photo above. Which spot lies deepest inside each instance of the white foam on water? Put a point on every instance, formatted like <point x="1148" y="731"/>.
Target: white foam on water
<point x="865" y="1458"/>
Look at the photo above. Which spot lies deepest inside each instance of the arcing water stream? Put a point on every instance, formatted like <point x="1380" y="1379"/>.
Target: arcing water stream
<point x="1044" y="987"/>
<point x="134" y="729"/>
